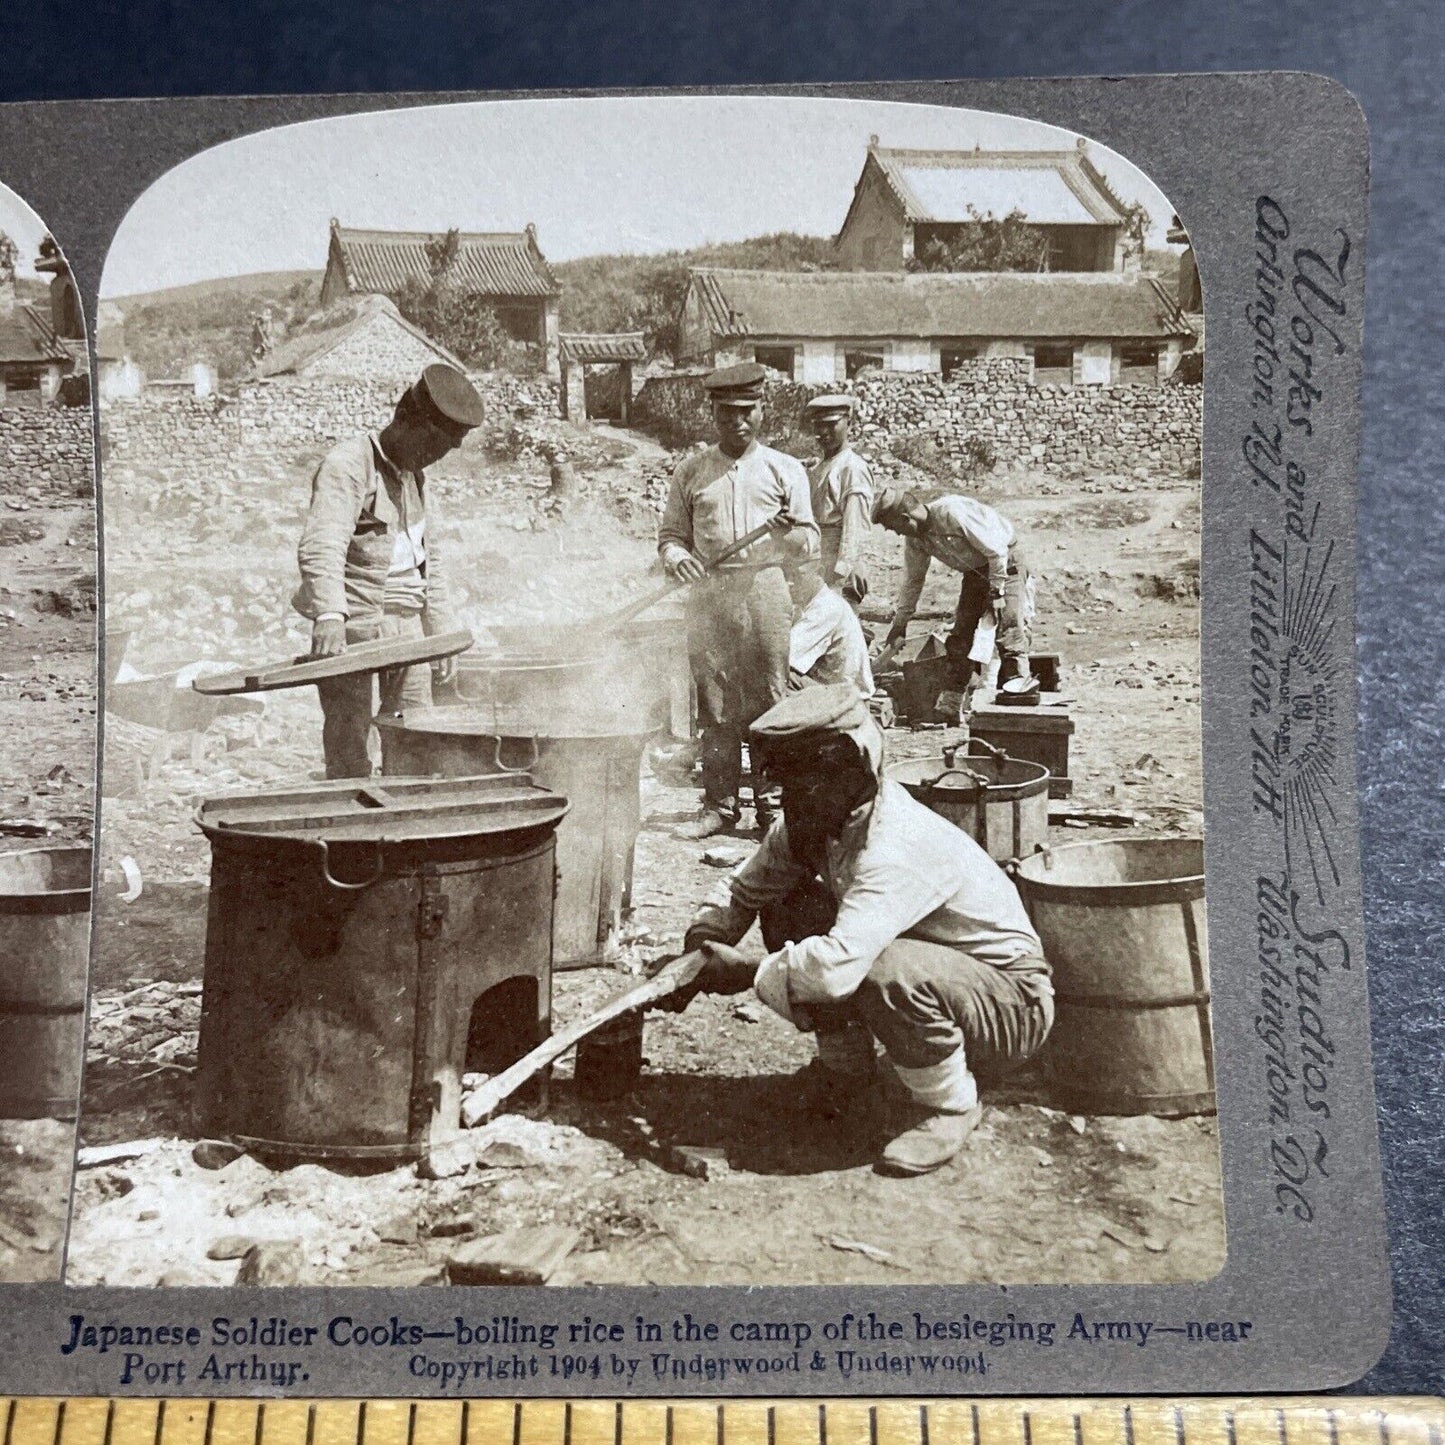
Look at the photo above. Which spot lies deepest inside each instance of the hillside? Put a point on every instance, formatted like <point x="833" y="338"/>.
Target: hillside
<point x="166" y="331"/>
<point x="211" y="320"/>
<point x="644" y="293"/>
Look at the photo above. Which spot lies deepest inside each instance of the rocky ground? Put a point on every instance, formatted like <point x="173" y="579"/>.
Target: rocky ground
<point x="773" y="1196"/>
<point x="47" y="764"/>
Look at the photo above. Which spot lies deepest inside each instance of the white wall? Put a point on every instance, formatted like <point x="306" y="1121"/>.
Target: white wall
<point x="1097" y="363"/>
<point x="816" y="363"/>
<point x="913" y="355"/>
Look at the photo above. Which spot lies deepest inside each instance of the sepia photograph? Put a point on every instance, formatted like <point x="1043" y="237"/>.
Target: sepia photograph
<point x="652" y="729"/>
<point x="47" y="735"/>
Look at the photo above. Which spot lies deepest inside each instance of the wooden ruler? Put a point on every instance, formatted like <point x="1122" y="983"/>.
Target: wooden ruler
<point x="1284" y="1420"/>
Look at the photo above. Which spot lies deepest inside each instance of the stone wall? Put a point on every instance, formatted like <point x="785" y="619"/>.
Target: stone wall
<point x="1057" y="428"/>
<point x="46" y="447"/>
<point x="1102" y="428"/>
<point x="272" y="422"/>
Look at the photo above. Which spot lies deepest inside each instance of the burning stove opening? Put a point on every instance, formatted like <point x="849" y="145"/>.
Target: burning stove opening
<point x="505" y="1023"/>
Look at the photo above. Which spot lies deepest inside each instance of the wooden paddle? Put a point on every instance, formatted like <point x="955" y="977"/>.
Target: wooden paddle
<point x="611" y="621"/>
<point x="667" y="981"/>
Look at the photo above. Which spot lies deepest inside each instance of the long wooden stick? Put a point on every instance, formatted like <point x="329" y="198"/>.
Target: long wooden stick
<point x="676" y="975"/>
<point x="613" y="620"/>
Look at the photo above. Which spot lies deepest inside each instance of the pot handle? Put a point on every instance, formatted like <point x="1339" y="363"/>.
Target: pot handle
<point x="1011" y="866"/>
<point x="969" y="773"/>
<point x="462" y="695"/>
<point x="527" y="766"/>
<point x="335" y="882"/>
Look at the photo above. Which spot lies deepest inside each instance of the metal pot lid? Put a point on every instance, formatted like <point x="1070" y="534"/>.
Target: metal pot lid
<point x="543" y="719"/>
<point x="359" y="657"/>
<point x="387" y="809"/>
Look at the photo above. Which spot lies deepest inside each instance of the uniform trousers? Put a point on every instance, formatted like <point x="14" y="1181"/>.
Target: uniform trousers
<point x="350" y="705"/>
<point x="738" y="627"/>
<point x="923" y="1000"/>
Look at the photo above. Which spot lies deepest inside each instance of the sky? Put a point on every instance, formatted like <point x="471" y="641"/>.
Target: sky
<point x="600" y="175"/>
<point x="23" y="227"/>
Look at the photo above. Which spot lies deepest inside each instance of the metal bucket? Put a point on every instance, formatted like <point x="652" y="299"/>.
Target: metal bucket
<point x="365" y="940"/>
<point x="1002" y="803"/>
<point x="1123" y="925"/>
<point x="597" y="766"/>
<point x="44" y="949"/>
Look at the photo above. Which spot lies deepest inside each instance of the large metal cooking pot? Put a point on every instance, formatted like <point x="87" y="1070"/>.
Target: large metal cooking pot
<point x="1002" y="803"/>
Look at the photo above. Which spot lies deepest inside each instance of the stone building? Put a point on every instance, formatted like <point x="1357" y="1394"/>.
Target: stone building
<point x="903" y="199"/>
<point x="820" y="327"/>
<point x="607" y="389"/>
<point x="358" y="338"/>
<point x="505" y="268"/>
<point x="33" y="358"/>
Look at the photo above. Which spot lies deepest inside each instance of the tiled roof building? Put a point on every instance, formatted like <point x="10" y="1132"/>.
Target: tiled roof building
<point x="824" y="326"/>
<point x="904" y="199"/>
<point x="505" y="268"/>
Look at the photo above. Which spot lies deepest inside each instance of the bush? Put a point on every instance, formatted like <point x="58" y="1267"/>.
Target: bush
<point x="975" y="458"/>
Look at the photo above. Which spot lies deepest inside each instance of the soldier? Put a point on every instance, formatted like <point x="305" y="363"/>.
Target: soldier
<point x="841" y="487"/>
<point x="983" y="545"/>
<point x="882" y="921"/>
<point x="369" y="560"/>
<point x="740" y="616"/>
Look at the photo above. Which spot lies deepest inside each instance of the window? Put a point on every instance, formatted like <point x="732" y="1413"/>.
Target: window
<point x="776" y="358"/>
<point x="856" y="361"/>
<point x="1054" y="363"/>
<point x="951" y="356"/>
<point x="1138" y="363"/>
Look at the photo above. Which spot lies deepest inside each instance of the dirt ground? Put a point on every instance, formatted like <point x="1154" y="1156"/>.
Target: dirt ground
<point x="1037" y="1196"/>
<point x="47" y="765"/>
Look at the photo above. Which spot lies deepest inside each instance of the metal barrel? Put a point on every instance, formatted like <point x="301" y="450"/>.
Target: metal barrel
<point x="1123" y="925"/>
<point x="367" y="946"/>
<point x="44" y="949"/>
<point x="1002" y="803"/>
<point x="573" y="743"/>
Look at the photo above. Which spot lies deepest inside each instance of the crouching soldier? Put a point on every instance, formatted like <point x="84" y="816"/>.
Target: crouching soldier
<point x="876" y="911"/>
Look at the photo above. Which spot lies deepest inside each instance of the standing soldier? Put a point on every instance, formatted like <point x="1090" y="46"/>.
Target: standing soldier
<point x="842" y="493"/>
<point x="982" y="544"/>
<point x="739" y="617"/>
<point x="369" y="559"/>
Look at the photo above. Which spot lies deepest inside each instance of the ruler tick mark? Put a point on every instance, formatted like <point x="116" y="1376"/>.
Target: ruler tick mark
<point x="310" y="1426"/>
<point x="517" y="1423"/>
<point x="156" y="1439"/>
<point x="260" y="1421"/>
<point x="60" y="1421"/>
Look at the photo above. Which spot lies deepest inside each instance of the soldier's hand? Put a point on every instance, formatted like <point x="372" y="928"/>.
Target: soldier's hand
<point x="727" y="971"/>
<point x="854" y="587"/>
<point x="781" y="520"/>
<point x="896" y="635"/>
<point x="689" y="569"/>
<point x="328" y="637"/>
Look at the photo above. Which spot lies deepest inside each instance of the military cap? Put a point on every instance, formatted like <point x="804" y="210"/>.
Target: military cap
<point x="451" y="396"/>
<point x="743" y="382"/>
<point x="889" y="502"/>
<point x="826" y="405"/>
<point x="836" y="708"/>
